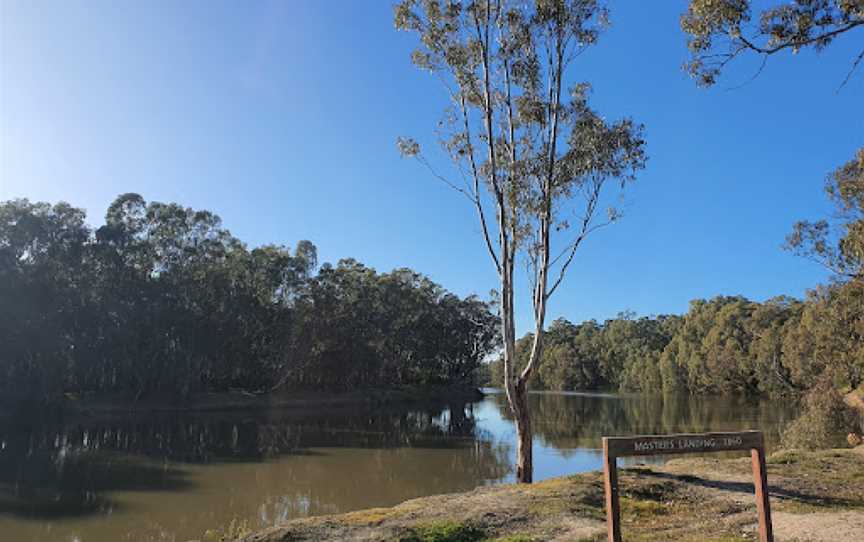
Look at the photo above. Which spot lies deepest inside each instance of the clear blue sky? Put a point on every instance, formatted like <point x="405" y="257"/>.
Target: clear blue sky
<point x="282" y="116"/>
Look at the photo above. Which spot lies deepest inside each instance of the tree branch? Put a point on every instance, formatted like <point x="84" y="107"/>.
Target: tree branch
<point x="475" y="174"/>
<point x="799" y="43"/>
<point x="854" y="67"/>
<point x="754" y="76"/>
<point x="584" y="231"/>
<point x="422" y="159"/>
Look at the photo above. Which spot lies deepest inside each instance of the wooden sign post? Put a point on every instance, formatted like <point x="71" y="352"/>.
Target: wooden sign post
<point x="615" y="447"/>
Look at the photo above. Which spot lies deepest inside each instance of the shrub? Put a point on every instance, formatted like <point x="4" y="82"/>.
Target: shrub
<point x="824" y="422"/>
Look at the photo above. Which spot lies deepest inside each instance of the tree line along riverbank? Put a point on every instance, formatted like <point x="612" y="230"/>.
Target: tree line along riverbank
<point x="162" y="305"/>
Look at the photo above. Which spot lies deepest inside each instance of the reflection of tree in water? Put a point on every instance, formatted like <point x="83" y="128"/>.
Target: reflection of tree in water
<point x="579" y="421"/>
<point x="56" y="470"/>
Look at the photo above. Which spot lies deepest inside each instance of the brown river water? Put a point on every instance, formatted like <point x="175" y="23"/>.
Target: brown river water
<point x="171" y="477"/>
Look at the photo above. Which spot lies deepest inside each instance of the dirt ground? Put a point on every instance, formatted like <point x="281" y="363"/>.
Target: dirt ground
<point x="815" y="496"/>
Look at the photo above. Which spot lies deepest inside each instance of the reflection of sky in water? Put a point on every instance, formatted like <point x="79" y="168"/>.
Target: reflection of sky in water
<point x="557" y="455"/>
<point x="549" y="460"/>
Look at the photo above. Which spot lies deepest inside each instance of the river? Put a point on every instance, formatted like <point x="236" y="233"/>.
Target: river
<point x="171" y="477"/>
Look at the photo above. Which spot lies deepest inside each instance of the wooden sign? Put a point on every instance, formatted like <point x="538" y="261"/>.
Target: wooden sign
<point x="615" y="447"/>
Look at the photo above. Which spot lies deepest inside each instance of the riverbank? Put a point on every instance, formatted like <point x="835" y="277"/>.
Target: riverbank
<point x="238" y="401"/>
<point x="815" y="496"/>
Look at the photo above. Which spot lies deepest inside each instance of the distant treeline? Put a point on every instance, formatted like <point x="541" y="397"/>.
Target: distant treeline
<point x="721" y="345"/>
<point x="162" y="300"/>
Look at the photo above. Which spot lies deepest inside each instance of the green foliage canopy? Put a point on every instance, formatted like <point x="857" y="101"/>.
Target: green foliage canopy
<point x="723" y="345"/>
<point x="719" y="31"/>
<point x="162" y="299"/>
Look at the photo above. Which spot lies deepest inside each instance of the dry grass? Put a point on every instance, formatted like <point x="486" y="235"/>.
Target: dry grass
<point x="690" y="500"/>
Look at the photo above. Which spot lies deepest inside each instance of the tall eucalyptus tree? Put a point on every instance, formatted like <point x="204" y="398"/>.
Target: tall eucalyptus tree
<point x="533" y="158"/>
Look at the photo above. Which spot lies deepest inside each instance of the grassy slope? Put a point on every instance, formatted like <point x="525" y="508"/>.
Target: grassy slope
<point x="814" y="495"/>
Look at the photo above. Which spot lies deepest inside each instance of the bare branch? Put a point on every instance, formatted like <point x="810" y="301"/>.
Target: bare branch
<point x="585" y="229"/>
<point x="797" y="44"/>
<point x="542" y="269"/>
<point x="422" y="159"/>
<point x="835" y="269"/>
<point x="752" y="77"/>
<point x="854" y="67"/>
<point x="488" y="117"/>
<point x="475" y="174"/>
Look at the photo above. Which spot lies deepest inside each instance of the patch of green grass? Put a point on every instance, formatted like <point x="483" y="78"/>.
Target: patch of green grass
<point x="566" y="505"/>
<point x="444" y="532"/>
<point x="372" y="516"/>
<point x="376" y="516"/>
<point x="580" y="495"/>
<point x="642" y="508"/>
<point x="651" y="490"/>
<point x="797" y="507"/>
<point x="515" y="538"/>
<point x="784" y="457"/>
<point x="236" y="529"/>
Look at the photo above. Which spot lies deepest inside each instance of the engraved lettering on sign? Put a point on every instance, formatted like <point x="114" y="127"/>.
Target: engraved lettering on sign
<point x="665" y="445"/>
<point x="697" y="443"/>
<point x="651" y="445"/>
